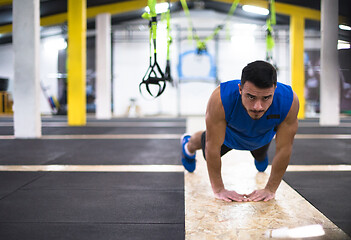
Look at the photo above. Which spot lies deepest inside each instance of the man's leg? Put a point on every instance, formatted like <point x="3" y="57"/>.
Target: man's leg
<point x="192" y="143"/>
<point x="261" y="158"/>
<point x="189" y="146"/>
<point x="195" y="142"/>
<point x="224" y="148"/>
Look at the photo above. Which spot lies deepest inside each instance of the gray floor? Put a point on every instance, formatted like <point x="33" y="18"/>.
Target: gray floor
<point x="101" y="205"/>
<point x="92" y="205"/>
<point x="329" y="192"/>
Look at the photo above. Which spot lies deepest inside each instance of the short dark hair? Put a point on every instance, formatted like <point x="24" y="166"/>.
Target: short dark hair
<point x="262" y="74"/>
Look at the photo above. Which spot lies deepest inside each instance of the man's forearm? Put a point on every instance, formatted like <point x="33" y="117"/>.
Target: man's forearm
<point x="279" y="165"/>
<point x="214" y="171"/>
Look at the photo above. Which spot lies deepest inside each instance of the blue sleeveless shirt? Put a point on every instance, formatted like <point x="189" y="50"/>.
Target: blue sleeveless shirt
<point x="244" y="133"/>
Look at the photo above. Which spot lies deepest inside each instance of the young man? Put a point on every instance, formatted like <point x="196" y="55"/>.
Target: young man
<point x="245" y="115"/>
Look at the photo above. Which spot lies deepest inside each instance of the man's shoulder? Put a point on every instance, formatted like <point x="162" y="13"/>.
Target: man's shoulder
<point x="283" y="100"/>
<point x="227" y="89"/>
<point x="230" y="82"/>
<point x="284" y="91"/>
<point x="214" y="106"/>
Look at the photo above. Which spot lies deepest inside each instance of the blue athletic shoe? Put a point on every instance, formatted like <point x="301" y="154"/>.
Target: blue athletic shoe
<point x="189" y="162"/>
<point x="261" y="165"/>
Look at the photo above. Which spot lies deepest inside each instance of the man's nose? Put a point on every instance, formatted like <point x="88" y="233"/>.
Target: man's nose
<point x="258" y="106"/>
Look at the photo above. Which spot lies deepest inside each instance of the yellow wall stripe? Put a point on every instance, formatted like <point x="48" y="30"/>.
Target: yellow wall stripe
<point x="6" y="29"/>
<point x="282" y="8"/>
<point x="116" y="8"/>
<point x="304" y="12"/>
<point x="5" y="2"/>
<point x="134" y="5"/>
<point x="53" y="19"/>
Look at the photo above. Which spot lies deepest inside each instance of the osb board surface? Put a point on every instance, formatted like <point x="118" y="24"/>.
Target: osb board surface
<point x="210" y="218"/>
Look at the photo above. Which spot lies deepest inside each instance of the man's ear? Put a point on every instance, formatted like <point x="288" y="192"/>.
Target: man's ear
<point x="240" y="90"/>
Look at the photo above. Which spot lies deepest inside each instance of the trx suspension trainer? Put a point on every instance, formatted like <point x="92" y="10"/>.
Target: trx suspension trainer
<point x="201" y="45"/>
<point x="154" y="75"/>
<point x="168" y="76"/>
<point x="271" y="20"/>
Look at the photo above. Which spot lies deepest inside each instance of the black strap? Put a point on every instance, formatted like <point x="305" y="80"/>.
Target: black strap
<point x="153" y="77"/>
<point x="154" y="74"/>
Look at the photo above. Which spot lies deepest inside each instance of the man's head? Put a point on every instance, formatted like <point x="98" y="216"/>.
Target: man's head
<point x="261" y="74"/>
<point x="258" y="83"/>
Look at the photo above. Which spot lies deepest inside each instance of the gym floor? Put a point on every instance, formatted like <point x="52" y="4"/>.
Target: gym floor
<point x="122" y="179"/>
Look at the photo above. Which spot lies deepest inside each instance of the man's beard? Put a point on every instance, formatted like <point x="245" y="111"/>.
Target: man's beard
<point x="255" y="113"/>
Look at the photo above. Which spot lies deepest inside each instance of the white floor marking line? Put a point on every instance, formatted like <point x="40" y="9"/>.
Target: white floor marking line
<point x="323" y="136"/>
<point x="92" y="168"/>
<point x="318" y="168"/>
<point x="103" y="136"/>
<point x="315" y="124"/>
<point x="109" y="124"/>
<point x="115" y="136"/>
<point x="153" y="168"/>
<point x="163" y="136"/>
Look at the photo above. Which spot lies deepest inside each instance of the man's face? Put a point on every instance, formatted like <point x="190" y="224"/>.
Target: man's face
<point x="256" y="100"/>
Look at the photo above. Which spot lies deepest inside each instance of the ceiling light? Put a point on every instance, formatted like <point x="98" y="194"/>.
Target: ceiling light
<point x="55" y="44"/>
<point x="343" y="44"/>
<point x="160" y="8"/>
<point x="256" y="10"/>
<point x="344" y="27"/>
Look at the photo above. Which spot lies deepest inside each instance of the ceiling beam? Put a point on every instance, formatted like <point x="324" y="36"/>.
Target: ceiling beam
<point x="282" y="8"/>
<point x="92" y="12"/>
<point x="5" y="2"/>
<point x="134" y="5"/>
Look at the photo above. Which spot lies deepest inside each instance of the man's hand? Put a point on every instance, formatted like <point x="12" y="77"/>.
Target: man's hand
<point x="230" y="196"/>
<point x="260" y="195"/>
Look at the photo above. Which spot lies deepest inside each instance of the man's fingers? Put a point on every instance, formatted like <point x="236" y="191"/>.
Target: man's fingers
<point x="234" y="197"/>
<point x="249" y="195"/>
<point x="227" y="199"/>
<point x="224" y="199"/>
<point x="260" y="196"/>
<point x="253" y="197"/>
<point x="230" y="196"/>
<point x="239" y="197"/>
<point x="256" y="196"/>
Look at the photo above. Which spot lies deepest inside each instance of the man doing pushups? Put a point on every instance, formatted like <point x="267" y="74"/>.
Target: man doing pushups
<point x="245" y="115"/>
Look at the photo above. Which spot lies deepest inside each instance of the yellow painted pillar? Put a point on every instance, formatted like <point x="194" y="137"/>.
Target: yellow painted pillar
<point x="297" y="28"/>
<point x="76" y="87"/>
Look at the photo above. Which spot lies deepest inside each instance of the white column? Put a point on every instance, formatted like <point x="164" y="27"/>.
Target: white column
<point x="330" y="80"/>
<point x="103" y="66"/>
<point x="26" y="91"/>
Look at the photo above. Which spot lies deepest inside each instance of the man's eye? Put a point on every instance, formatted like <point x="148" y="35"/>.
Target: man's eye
<point x="266" y="98"/>
<point x="250" y="97"/>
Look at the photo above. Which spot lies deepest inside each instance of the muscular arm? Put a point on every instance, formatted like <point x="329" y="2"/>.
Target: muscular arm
<point x="284" y="142"/>
<point x="215" y="134"/>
